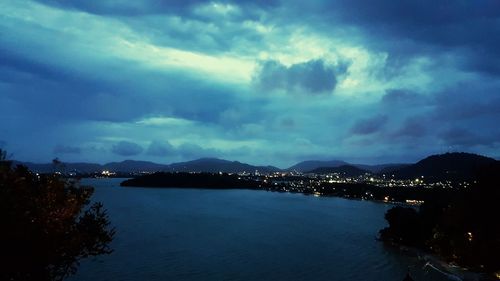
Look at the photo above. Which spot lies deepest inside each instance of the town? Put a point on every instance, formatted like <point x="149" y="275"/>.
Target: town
<point x="382" y="188"/>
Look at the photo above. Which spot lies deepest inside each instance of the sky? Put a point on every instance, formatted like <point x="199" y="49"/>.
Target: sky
<point x="263" y="82"/>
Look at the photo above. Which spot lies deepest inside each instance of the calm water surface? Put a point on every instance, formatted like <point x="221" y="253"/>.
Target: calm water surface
<point x="196" y="234"/>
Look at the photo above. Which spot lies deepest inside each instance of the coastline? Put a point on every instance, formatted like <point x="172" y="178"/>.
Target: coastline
<point x="432" y="261"/>
<point x="437" y="264"/>
<point x="269" y="189"/>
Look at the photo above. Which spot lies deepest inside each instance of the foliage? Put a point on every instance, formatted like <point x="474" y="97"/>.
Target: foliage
<point x="404" y="226"/>
<point x="468" y="232"/>
<point x="47" y="225"/>
<point x="464" y="229"/>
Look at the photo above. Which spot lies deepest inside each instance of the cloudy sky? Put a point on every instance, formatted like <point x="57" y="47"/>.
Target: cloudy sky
<point x="264" y="82"/>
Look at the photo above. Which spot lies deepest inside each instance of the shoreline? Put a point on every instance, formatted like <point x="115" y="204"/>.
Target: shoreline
<point x="439" y="265"/>
<point x="396" y="203"/>
<point x="432" y="261"/>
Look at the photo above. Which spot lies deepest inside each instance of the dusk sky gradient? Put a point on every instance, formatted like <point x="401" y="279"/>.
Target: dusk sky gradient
<point x="263" y="82"/>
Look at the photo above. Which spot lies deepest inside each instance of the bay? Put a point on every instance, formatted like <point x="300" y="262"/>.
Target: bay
<point x="201" y="234"/>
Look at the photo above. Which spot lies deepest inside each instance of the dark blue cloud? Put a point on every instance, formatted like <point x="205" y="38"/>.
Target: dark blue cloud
<point x="186" y="150"/>
<point x="411" y="13"/>
<point x="145" y="7"/>
<point x="67" y="149"/>
<point x="311" y="77"/>
<point x="369" y="125"/>
<point x="414" y="127"/>
<point x="13" y="63"/>
<point x="468" y="101"/>
<point x="407" y="29"/>
<point x="160" y="148"/>
<point x="402" y="96"/>
<point x="126" y="8"/>
<point x="465" y="138"/>
<point x="126" y="148"/>
<point x="190" y="151"/>
<point x="272" y="75"/>
<point x="465" y="26"/>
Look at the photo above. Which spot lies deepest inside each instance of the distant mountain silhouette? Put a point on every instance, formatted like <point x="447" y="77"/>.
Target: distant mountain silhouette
<point x="210" y="165"/>
<point x="347" y="170"/>
<point x="130" y="166"/>
<point x="381" y="168"/>
<point x="214" y="165"/>
<point x="449" y="166"/>
<point x="310" y="165"/>
<point x="455" y="166"/>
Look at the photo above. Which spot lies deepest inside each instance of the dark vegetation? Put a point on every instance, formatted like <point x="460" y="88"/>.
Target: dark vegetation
<point x="457" y="166"/>
<point x="47" y="225"/>
<point x="394" y="194"/>
<point x="463" y="228"/>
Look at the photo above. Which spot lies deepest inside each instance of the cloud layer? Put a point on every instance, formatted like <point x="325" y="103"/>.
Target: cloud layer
<point x="267" y="82"/>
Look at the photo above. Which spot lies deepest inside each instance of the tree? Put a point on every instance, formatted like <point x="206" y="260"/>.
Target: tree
<point x="462" y="229"/>
<point x="469" y="232"/>
<point x="47" y="225"/>
<point x="404" y="226"/>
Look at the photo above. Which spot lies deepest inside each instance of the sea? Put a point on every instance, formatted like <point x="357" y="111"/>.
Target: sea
<point x="186" y="234"/>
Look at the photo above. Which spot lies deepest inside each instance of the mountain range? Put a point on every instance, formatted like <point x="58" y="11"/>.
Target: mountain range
<point x="453" y="166"/>
<point x="199" y="165"/>
<point x="210" y="165"/>
<point x="307" y="166"/>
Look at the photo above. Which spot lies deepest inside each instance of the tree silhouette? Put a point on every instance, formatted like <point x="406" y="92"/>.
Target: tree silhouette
<point x="47" y="225"/>
<point x="469" y="232"/>
<point x="462" y="229"/>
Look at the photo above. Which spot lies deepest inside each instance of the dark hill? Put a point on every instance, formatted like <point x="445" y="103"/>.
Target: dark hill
<point x="215" y="165"/>
<point x="305" y="166"/>
<point x="131" y="166"/>
<point x="346" y="170"/>
<point x="380" y="168"/>
<point x="457" y="166"/>
<point x="209" y="165"/>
